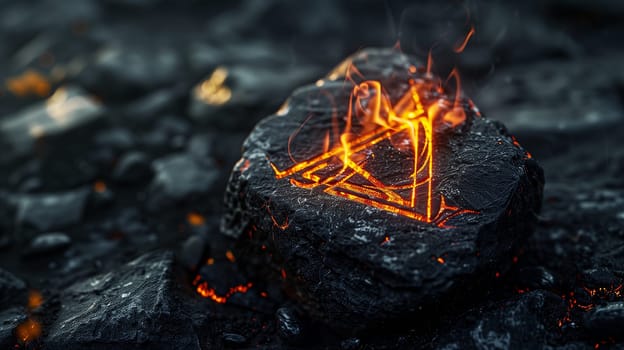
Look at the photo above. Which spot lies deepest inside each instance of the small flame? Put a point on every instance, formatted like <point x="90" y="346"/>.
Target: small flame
<point x="462" y="46"/>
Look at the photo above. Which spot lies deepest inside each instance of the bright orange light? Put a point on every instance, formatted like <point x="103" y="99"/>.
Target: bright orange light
<point x="205" y="291"/>
<point x="462" y="46"/>
<point x="195" y="219"/>
<point x="99" y="186"/>
<point x="29" y="83"/>
<point x="35" y="299"/>
<point x="372" y="120"/>
<point x="230" y="256"/>
<point x="28" y="331"/>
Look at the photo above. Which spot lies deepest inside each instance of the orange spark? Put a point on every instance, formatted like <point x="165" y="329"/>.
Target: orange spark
<point x="440" y="260"/>
<point x="195" y="219"/>
<point x="99" y="186"/>
<point x="460" y="48"/>
<point x="35" y="299"/>
<point x="230" y="256"/>
<point x="386" y="240"/>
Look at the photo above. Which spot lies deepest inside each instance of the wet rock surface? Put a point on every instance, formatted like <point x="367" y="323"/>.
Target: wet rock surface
<point x="102" y="312"/>
<point x="86" y="83"/>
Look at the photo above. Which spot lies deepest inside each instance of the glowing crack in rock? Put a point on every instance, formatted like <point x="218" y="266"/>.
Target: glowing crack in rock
<point x="372" y="125"/>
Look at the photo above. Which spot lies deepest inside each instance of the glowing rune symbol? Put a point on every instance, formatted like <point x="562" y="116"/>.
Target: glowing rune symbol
<point x="349" y="168"/>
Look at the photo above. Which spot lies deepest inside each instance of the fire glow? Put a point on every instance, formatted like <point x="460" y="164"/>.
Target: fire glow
<point x="373" y="122"/>
<point x="206" y="291"/>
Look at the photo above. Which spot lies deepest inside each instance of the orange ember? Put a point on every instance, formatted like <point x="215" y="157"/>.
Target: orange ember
<point x="230" y="256"/>
<point x="30" y="83"/>
<point x="205" y="291"/>
<point x="28" y="331"/>
<point x="342" y="167"/>
<point x="99" y="186"/>
<point x="35" y="299"/>
<point x="195" y="219"/>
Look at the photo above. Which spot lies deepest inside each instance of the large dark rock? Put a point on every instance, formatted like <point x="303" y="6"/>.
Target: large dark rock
<point x="12" y="290"/>
<point x="135" y="307"/>
<point x="180" y="177"/>
<point x="606" y="320"/>
<point x="349" y="262"/>
<point x="51" y="211"/>
<point x="528" y="321"/>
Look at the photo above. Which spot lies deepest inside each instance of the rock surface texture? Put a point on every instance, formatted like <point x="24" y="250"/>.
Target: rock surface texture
<point x="356" y="263"/>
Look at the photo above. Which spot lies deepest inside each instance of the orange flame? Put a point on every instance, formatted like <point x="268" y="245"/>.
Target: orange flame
<point x="205" y="291"/>
<point x="371" y="121"/>
<point x="462" y="46"/>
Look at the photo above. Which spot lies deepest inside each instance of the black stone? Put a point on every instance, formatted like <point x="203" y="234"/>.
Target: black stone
<point x="133" y="167"/>
<point x="51" y="211"/>
<point x="12" y="290"/>
<point x="49" y="243"/>
<point x="525" y="322"/>
<point x="192" y="252"/>
<point x="180" y="177"/>
<point x="536" y="277"/>
<point x="9" y="319"/>
<point x="133" y="307"/>
<point x="334" y="251"/>
<point x="605" y="320"/>
<point x="233" y="339"/>
<point x="289" y="326"/>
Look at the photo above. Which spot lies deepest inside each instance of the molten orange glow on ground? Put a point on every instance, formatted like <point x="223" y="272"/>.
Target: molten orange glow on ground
<point x="28" y="331"/>
<point x="342" y="170"/>
<point x="206" y="291"/>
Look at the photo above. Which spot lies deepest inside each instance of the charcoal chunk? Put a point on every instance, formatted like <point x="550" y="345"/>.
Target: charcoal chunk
<point x="354" y="264"/>
<point x="606" y="320"/>
<point x="12" y="290"/>
<point x="49" y="243"/>
<point x="51" y="211"/>
<point x="133" y="307"/>
<point x="180" y="176"/>
<point x="234" y="339"/>
<point x="68" y="112"/>
<point x="132" y="168"/>
<point x="524" y="322"/>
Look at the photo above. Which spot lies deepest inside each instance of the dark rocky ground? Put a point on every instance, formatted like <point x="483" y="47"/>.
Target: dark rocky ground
<point x="113" y="167"/>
